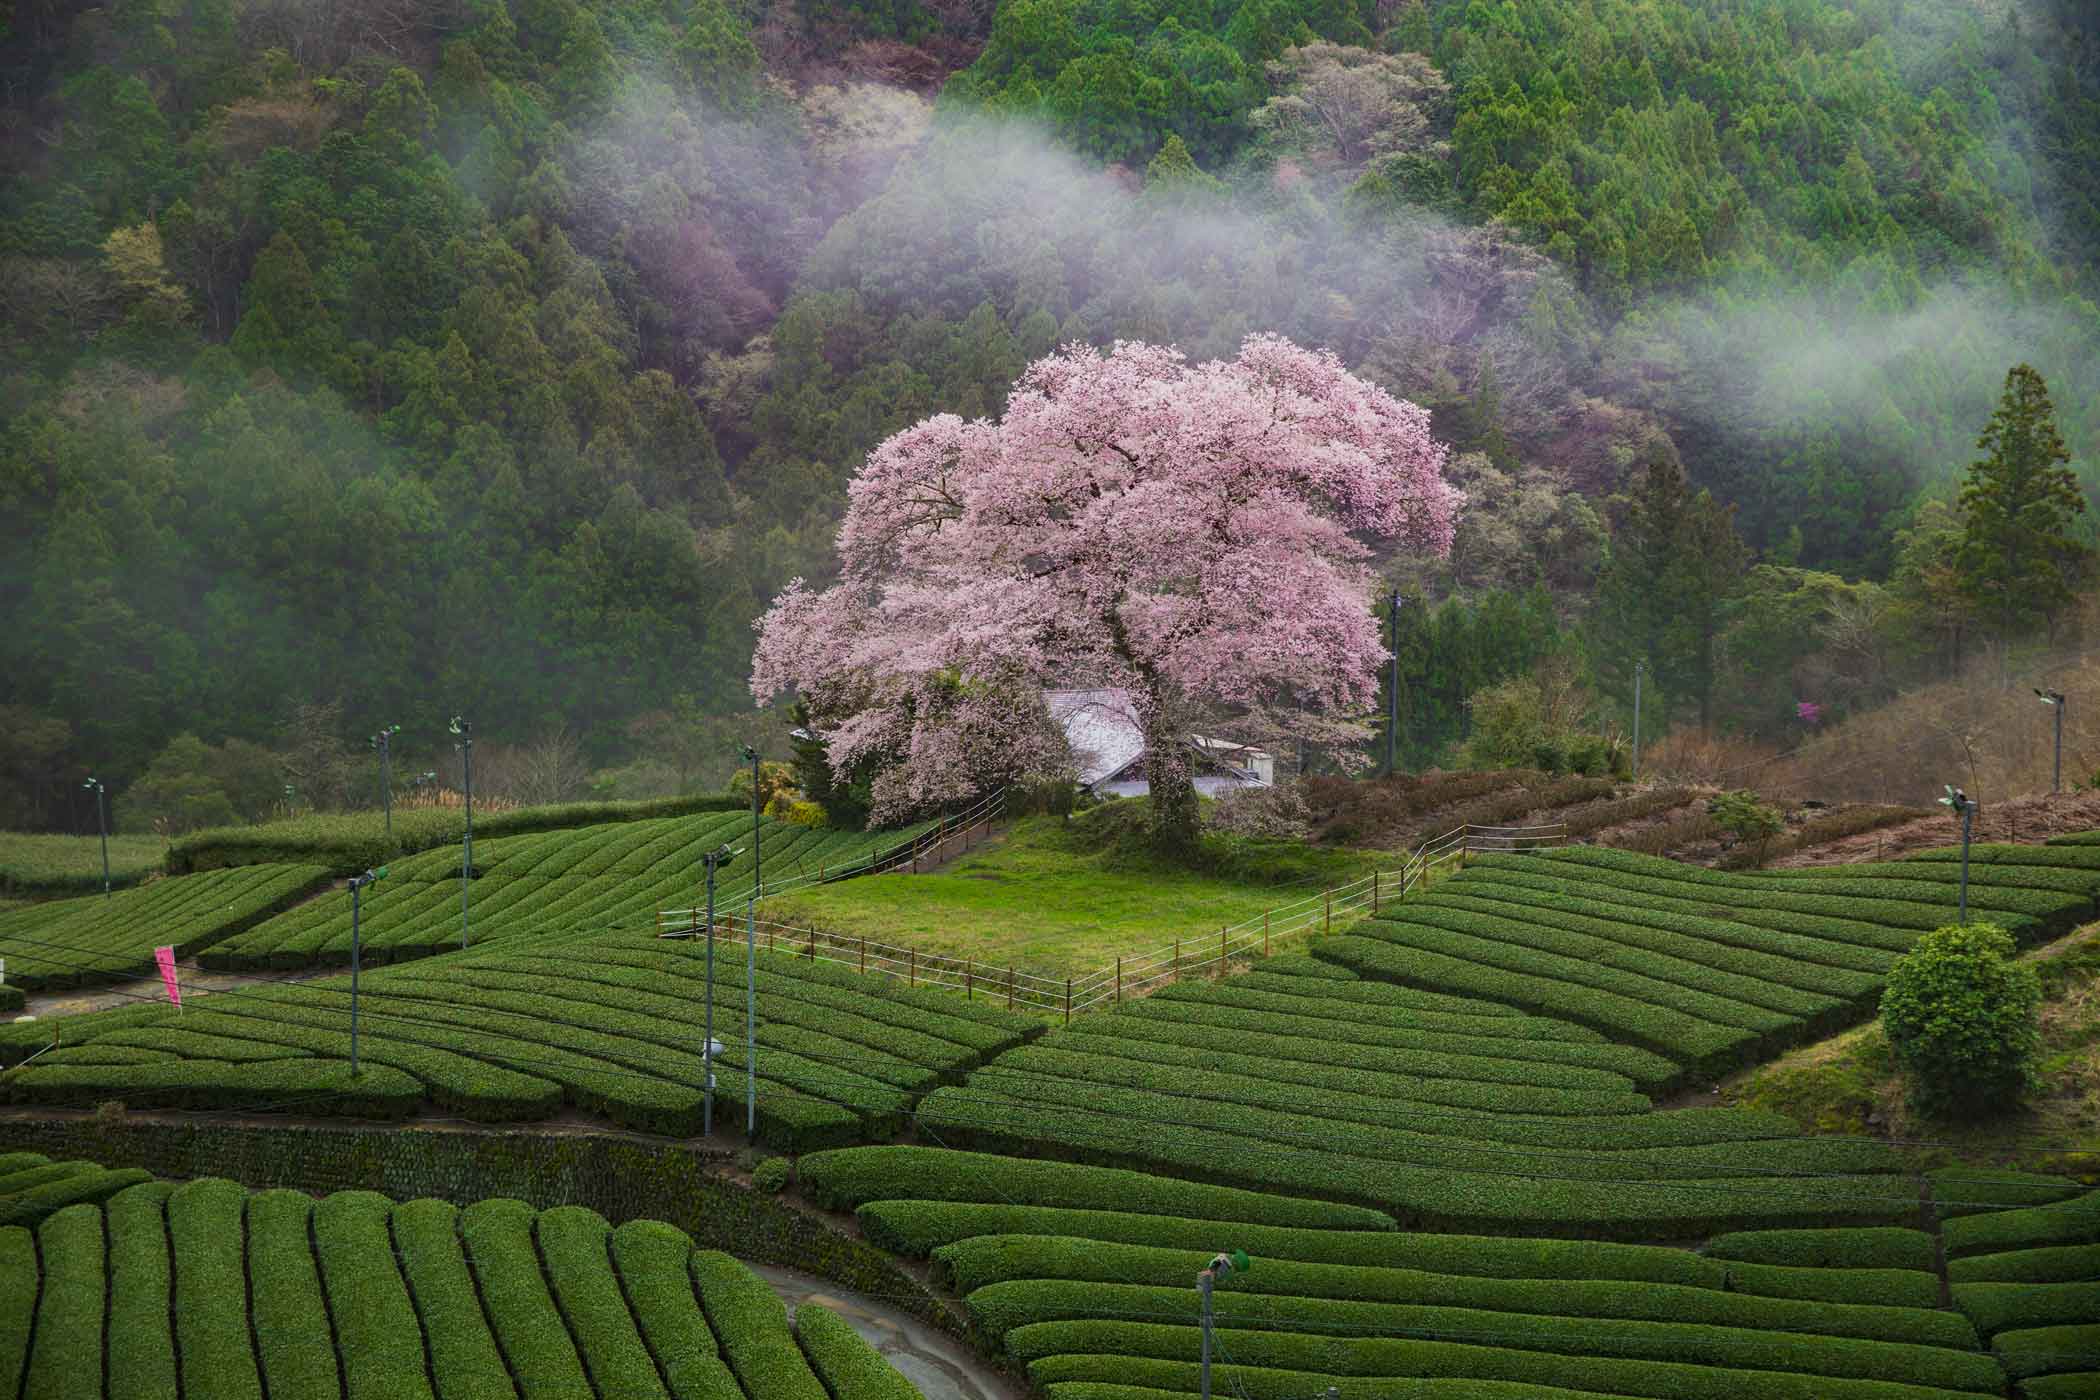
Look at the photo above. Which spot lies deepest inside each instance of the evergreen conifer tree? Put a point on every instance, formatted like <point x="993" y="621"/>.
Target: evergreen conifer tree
<point x="2017" y="561"/>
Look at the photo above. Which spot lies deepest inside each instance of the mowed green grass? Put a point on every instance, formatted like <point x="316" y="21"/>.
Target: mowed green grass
<point x="40" y="863"/>
<point x="1045" y="896"/>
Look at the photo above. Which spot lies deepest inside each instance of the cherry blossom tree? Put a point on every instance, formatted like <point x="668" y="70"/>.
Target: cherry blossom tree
<point x="1194" y="534"/>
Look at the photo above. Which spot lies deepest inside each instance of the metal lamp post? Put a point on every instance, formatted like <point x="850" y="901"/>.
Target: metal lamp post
<point x="1221" y="1266"/>
<point x="757" y="871"/>
<point x="711" y="1047"/>
<point x="751" y="1018"/>
<point x="94" y="785"/>
<point x="1966" y="805"/>
<point x="465" y="731"/>
<point x="1392" y="719"/>
<point x="383" y="741"/>
<point x="1638" y="668"/>
<point x="357" y="886"/>
<point x="2054" y="699"/>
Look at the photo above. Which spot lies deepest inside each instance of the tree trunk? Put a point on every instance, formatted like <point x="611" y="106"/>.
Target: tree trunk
<point x="1169" y="775"/>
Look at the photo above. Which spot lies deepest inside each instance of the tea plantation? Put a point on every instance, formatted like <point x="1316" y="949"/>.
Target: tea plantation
<point x="206" y="1289"/>
<point x="1436" y="1135"/>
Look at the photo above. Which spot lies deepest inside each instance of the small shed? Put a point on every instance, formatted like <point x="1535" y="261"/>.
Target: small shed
<point x="1108" y="748"/>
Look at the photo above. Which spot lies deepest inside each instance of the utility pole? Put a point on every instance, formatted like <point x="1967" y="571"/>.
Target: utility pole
<point x="1638" y="667"/>
<point x="1966" y="805"/>
<point x="751" y="1018"/>
<point x="94" y="785"/>
<point x="357" y="885"/>
<point x="758" y="886"/>
<point x="1392" y="721"/>
<point x="465" y="731"/>
<point x="2054" y="699"/>
<point x="1221" y="1266"/>
<point x="383" y="741"/>
<point x="711" y="1047"/>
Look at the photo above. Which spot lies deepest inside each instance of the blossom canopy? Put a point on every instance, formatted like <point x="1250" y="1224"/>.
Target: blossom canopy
<point x="1191" y="533"/>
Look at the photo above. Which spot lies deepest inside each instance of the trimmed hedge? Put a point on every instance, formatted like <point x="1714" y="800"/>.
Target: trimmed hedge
<point x="376" y="1329"/>
<point x="350" y="841"/>
<point x="500" y="1254"/>
<point x="65" y="1359"/>
<point x="1313" y="1001"/>
<point x="576" y="1249"/>
<point x="987" y="1262"/>
<point x="2072" y="1263"/>
<point x="140" y="1339"/>
<point x="1966" y="1190"/>
<point x="1438" y="1198"/>
<point x="292" y="1332"/>
<point x="2039" y="1351"/>
<point x="845" y="1179"/>
<point x="309" y="1086"/>
<point x="2083" y="1385"/>
<point x="1131" y="1351"/>
<point x="92" y="1184"/>
<point x="206" y="1229"/>
<point x="1829" y="1249"/>
<point x="751" y="1324"/>
<point x="849" y="1368"/>
<point x="1907" y="1288"/>
<point x="19" y="1285"/>
<point x="923" y="1227"/>
<point x="464" y="1361"/>
<point x="1995" y="1307"/>
<point x="1393" y="952"/>
<point x="651" y="1258"/>
<point x="2076" y="1221"/>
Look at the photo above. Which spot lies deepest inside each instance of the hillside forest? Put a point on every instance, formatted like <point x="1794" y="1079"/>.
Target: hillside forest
<point x="372" y="362"/>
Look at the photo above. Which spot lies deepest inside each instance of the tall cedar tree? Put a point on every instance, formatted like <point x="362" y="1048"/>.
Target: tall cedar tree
<point x="2016" y="560"/>
<point x="1676" y="563"/>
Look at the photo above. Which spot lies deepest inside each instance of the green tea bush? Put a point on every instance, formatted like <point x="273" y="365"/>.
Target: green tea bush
<point x="849" y="1368"/>
<point x="574" y="1245"/>
<point x="1908" y="1288"/>
<point x="2075" y="1221"/>
<point x="141" y="1337"/>
<point x="1963" y="1018"/>
<point x="751" y="1324"/>
<point x="211" y="1308"/>
<point x="293" y="1339"/>
<point x="651" y="1258"/>
<point x="771" y="1175"/>
<point x="1751" y="822"/>
<point x="367" y="1299"/>
<point x="2038" y="1351"/>
<point x="18" y="1292"/>
<point x="2070" y="1263"/>
<point x="521" y="1310"/>
<point x="1828" y="1249"/>
<point x="66" y="1359"/>
<point x="1995" y="1307"/>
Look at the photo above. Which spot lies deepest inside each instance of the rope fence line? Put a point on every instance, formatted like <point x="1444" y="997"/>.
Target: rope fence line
<point x="1130" y="975"/>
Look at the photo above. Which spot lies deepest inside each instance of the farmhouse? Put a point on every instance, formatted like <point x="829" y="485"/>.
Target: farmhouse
<point x="1108" y="748"/>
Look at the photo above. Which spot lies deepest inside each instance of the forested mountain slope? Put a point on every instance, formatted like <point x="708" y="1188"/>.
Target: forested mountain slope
<point x="511" y="353"/>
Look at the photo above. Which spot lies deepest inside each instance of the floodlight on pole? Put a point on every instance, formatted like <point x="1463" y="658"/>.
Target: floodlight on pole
<point x="1392" y="716"/>
<point x="751" y="1018"/>
<point x="465" y="730"/>
<point x="2054" y="699"/>
<point x="758" y="886"/>
<point x="357" y="885"/>
<point x="711" y="1047"/>
<point x="1966" y="805"/>
<point x="384" y="742"/>
<point x="94" y="785"/>
<point x="1638" y="668"/>
<point x="1220" y="1266"/>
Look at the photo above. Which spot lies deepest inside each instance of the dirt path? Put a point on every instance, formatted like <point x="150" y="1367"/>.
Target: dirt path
<point x="44" y="1005"/>
<point x="2028" y="819"/>
<point x="940" y="1366"/>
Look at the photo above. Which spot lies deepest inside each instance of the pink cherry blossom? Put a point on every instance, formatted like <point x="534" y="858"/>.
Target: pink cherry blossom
<point x="1193" y="533"/>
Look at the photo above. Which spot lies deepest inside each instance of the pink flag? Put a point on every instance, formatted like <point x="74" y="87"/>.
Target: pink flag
<point x="166" y="958"/>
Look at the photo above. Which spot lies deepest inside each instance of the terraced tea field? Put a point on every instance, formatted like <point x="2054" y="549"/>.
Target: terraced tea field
<point x="1082" y="1275"/>
<point x="208" y="1290"/>
<point x="79" y="942"/>
<point x="582" y="880"/>
<point x="515" y="1033"/>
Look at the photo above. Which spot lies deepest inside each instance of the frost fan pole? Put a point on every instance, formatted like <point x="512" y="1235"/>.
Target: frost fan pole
<point x="357" y="886"/>
<point x="710" y="1046"/>
<point x="2054" y="699"/>
<point x="94" y="785"/>
<point x="1638" y="667"/>
<point x="384" y="742"/>
<point x="1966" y="805"/>
<point x="1222" y="1265"/>
<point x="751" y="1017"/>
<point x="1392" y="721"/>
<point x="465" y="731"/>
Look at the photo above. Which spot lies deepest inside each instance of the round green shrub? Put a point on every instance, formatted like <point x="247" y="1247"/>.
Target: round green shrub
<point x="1962" y="1018"/>
<point x="771" y="1174"/>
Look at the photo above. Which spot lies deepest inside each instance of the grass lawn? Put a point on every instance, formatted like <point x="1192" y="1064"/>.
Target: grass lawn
<point x="1850" y="1083"/>
<point x="1067" y="897"/>
<point x="45" y="864"/>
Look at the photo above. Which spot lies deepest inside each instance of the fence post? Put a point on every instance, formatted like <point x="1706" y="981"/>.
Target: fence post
<point x="1119" y="978"/>
<point x="1009" y="987"/>
<point x="1327" y="899"/>
<point x="1265" y="933"/>
<point x="1176" y="970"/>
<point x="1374" y="892"/>
<point x="969" y="980"/>
<point x="913" y="976"/>
<point x="1068" y="1001"/>
<point x="864" y="955"/>
<point x="812" y="942"/>
<point x="1221" y="948"/>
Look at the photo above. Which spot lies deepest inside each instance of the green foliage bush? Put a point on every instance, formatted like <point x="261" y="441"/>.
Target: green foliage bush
<point x="141" y="1336"/>
<point x="2075" y="1221"/>
<point x="751" y="1324"/>
<point x="848" y="1367"/>
<point x="66" y="1355"/>
<point x="40" y="864"/>
<point x="2069" y="1263"/>
<point x="521" y="1310"/>
<point x="1828" y="1249"/>
<point x="18" y="1294"/>
<point x="2036" y="1351"/>
<point x="294" y="1342"/>
<point x="651" y="1259"/>
<point x="771" y="1175"/>
<point x="1907" y="1288"/>
<point x="1962" y="1018"/>
<point x="205" y="1232"/>
<point x="367" y="1299"/>
<point x="1996" y="1307"/>
<point x="1742" y="816"/>
<point x="575" y="1250"/>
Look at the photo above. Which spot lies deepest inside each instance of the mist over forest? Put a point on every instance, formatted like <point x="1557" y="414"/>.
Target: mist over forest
<point x="373" y="362"/>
